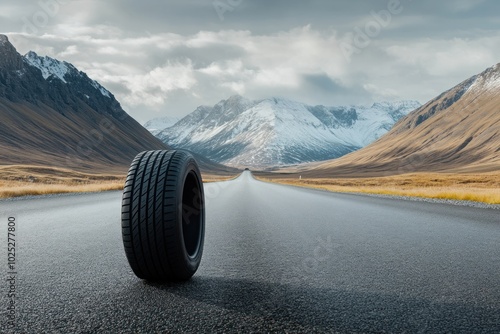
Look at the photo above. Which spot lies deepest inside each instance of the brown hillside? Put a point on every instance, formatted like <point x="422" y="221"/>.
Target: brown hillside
<point x="69" y="122"/>
<point x="459" y="131"/>
<point x="84" y="140"/>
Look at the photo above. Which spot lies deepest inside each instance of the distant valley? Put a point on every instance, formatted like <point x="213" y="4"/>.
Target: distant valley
<point x="53" y="114"/>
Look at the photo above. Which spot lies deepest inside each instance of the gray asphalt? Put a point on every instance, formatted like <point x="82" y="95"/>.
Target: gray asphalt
<point x="277" y="259"/>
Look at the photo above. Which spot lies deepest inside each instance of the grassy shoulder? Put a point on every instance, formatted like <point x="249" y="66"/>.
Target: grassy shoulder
<point x="210" y="178"/>
<point x="24" y="180"/>
<point x="483" y="188"/>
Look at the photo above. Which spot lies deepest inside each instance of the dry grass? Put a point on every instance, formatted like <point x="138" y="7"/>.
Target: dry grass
<point x="24" y="180"/>
<point x="17" y="189"/>
<point x="209" y="178"/>
<point x="471" y="187"/>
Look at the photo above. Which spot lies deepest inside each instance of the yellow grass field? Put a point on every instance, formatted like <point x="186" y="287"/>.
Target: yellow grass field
<point x="483" y="187"/>
<point x="23" y="180"/>
<point x="209" y="178"/>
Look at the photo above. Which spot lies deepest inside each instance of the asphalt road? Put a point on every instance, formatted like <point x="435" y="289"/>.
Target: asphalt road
<point x="276" y="258"/>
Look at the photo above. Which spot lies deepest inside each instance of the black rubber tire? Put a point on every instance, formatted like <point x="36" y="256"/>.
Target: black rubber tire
<point x="163" y="216"/>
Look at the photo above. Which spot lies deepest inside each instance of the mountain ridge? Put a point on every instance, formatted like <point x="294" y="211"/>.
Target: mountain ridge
<point x="276" y="131"/>
<point x="458" y="131"/>
<point x="53" y="114"/>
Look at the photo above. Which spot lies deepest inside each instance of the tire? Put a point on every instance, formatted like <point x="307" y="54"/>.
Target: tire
<point x="163" y="216"/>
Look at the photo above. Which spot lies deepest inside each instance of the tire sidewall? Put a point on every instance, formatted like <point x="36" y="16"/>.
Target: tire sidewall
<point x="191" y="262"/>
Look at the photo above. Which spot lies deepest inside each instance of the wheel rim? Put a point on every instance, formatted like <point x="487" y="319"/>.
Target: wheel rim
<point x="192" y="214"/>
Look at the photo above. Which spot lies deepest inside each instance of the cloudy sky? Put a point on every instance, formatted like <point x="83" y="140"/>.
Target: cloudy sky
<point x="167" y="57"/>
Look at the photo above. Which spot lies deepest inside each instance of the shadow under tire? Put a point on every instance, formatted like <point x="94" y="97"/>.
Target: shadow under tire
<point x="163" y="216"/>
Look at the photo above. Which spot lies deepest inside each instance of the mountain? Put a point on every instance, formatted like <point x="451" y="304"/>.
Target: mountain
<point x="458" y="131"/>
<point x="52" y="114"/>
<point x="156" y="125"/>
<point x="273" y="132"/>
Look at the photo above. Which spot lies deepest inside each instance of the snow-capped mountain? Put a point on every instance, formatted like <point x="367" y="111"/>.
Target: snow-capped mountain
<point x="54" y="69"/>
<point x="53" y="114"/>
<point x="58" y="84"/>
<point x="275" y="132"/>
<point x="156" y="125"/>
<point x="49" y="66"/>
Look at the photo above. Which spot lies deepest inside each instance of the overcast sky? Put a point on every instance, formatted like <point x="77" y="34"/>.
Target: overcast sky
<point x="168" y="57"/>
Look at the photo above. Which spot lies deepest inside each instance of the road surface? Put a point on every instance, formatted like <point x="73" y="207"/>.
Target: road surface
<point x="276" y="258"/>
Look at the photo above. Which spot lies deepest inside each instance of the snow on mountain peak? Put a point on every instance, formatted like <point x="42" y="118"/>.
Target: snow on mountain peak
<point x="236" y="102"/>
<point x="492" y="78"/>
<point x="51" y="67"/>
<point x="100" y="88"/>
<point x="48" y="66"/>
<point x="277" y="131"/>
<point x="488" y="81"/>
<point x="397" y="105"/>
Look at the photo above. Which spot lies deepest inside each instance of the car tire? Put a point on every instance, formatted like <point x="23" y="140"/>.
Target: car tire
<point x="163" y="216"/>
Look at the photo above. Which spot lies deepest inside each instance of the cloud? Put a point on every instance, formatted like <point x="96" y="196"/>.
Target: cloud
<point x="447" y="57"/>
<point x="70" y="50"/>
<point x="465" y="5"/>
<point x="170" y="57"/>
<point x="153" y="87"/>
